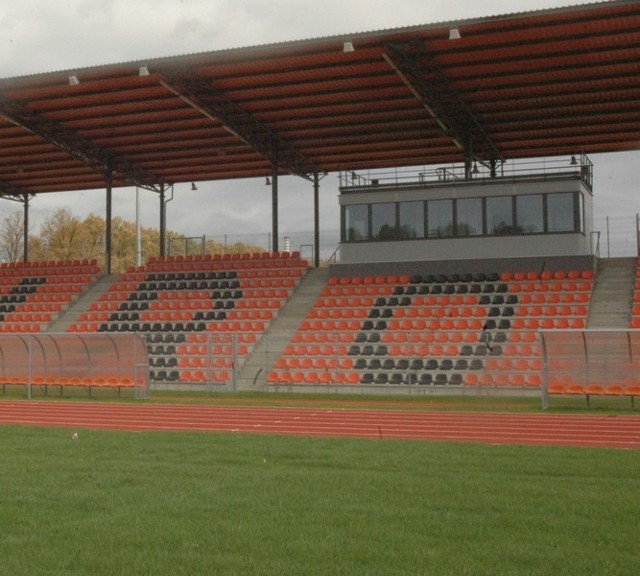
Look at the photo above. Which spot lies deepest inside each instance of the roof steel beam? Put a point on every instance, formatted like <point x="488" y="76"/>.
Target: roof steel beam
<point x="428" y="83"/>
<point x="83" y="150"/>
<point x="216" y="106"/>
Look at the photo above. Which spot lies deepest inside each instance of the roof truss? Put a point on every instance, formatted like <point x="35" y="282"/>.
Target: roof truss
<point x="101" y="160"/>
<point x="213" y="104"/>
<point x="432" y="88"/>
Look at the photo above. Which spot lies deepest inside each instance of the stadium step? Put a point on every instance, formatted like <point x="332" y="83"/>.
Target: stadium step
<point x="253" y="374"/>
<point x="612" y="294"/>
<point x="71" y="315"/>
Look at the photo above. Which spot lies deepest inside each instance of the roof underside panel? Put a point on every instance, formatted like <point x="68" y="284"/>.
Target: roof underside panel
<point x="523" y="85"/>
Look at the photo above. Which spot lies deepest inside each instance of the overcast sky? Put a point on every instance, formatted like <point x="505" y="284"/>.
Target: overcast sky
<point x="47" y="35"/>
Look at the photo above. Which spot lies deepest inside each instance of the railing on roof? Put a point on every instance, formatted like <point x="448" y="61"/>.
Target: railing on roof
<point x="574" y="166"/>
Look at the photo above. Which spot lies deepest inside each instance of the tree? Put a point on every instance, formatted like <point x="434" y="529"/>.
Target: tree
<point x="61" y="235"/>
<point x="12" y="237"/>
<point x="93" y="237"/>
<point x="64" y="236"/>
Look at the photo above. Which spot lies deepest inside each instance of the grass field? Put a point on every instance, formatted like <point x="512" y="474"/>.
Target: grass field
<point x="166" y="503"/>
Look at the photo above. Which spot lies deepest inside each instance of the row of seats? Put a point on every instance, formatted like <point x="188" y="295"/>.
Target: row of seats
<point x="61" y="382"/>
<point x="284" y="267"/>
<point x="216" y="377"/>
<point x="566" y="385"/>
<point x="171" y="326"/>
<point x="465" y="278"/>
<point x="345" y="377"/>
<point x="49" y="269"/>
<point x="539" y="299"/>
<point x="326" y="378"/>
<point x="253" y="256"/>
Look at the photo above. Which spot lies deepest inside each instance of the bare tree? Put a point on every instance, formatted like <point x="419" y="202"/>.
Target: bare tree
<point x="12" y="237"/>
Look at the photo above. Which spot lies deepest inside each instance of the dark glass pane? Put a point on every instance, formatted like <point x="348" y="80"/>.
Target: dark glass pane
<point x="356" y="222"/>
<point x="529" y="213"/>
<point x="469" y="216"/>
<point x="440" y="218"/>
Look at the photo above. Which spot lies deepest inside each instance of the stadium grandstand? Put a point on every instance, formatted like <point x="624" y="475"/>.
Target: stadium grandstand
<point x="466" y="186"/>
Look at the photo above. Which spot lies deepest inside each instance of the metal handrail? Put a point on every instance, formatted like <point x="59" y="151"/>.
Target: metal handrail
<point x="333" y="258"/>
<point x="574" y="166"/>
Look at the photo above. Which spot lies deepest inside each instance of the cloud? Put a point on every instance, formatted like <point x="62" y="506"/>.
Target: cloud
<point x="44" y="36"/>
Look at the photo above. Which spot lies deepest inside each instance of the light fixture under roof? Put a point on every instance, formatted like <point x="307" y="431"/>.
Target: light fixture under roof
<point x="267" y="182"/>
<point x="454" y="33"/>
<point x="73" y="80"/>
<point x="193" y="186"/>
<point x="348" y="47"/>
<point x="143" y="71"/>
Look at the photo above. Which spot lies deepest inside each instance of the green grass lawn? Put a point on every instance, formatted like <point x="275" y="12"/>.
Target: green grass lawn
<point x="165" y="503"/>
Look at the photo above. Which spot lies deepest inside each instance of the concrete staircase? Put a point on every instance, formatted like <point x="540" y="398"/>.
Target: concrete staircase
<point x="254" y="373"/>
<point x="612" y="294"/>
<point x="71" y="314"/>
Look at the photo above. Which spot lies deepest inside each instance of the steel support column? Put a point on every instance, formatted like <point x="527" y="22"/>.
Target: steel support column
<point x="107" y="232"/>
<point x="316" y="220"/>
<point x="163" y="222"/>
<point x="25" y="230"/>
<point x="274" y="209"/>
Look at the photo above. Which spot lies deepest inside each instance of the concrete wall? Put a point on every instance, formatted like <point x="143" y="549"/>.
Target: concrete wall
<point x="466" y="248"/>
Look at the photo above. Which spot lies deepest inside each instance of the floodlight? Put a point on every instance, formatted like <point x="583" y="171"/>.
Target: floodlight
<point x="348" y="47"/>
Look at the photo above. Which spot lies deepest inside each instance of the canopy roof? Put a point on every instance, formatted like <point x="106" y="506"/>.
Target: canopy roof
<point x="524" y="85"/>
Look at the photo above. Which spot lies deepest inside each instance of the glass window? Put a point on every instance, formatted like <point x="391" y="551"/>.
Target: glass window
<point x="560" y="212"/>
<point x="500" y="215"/>
<point x="356" y="222"/>
<point x="469" y="217"/>
<point x="411" y="220"/>
<point x="440" y="218"/>
<point x="383" y="221"/>
<point x="529" y="214"/>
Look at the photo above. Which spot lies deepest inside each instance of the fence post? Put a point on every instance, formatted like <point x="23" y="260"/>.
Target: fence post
<point x="30" y="369"/>
<point x="234" y="372"/>
<point x="545" y="372"/>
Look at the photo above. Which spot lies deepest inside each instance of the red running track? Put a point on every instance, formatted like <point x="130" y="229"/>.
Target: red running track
<point x="486" y="427"/>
